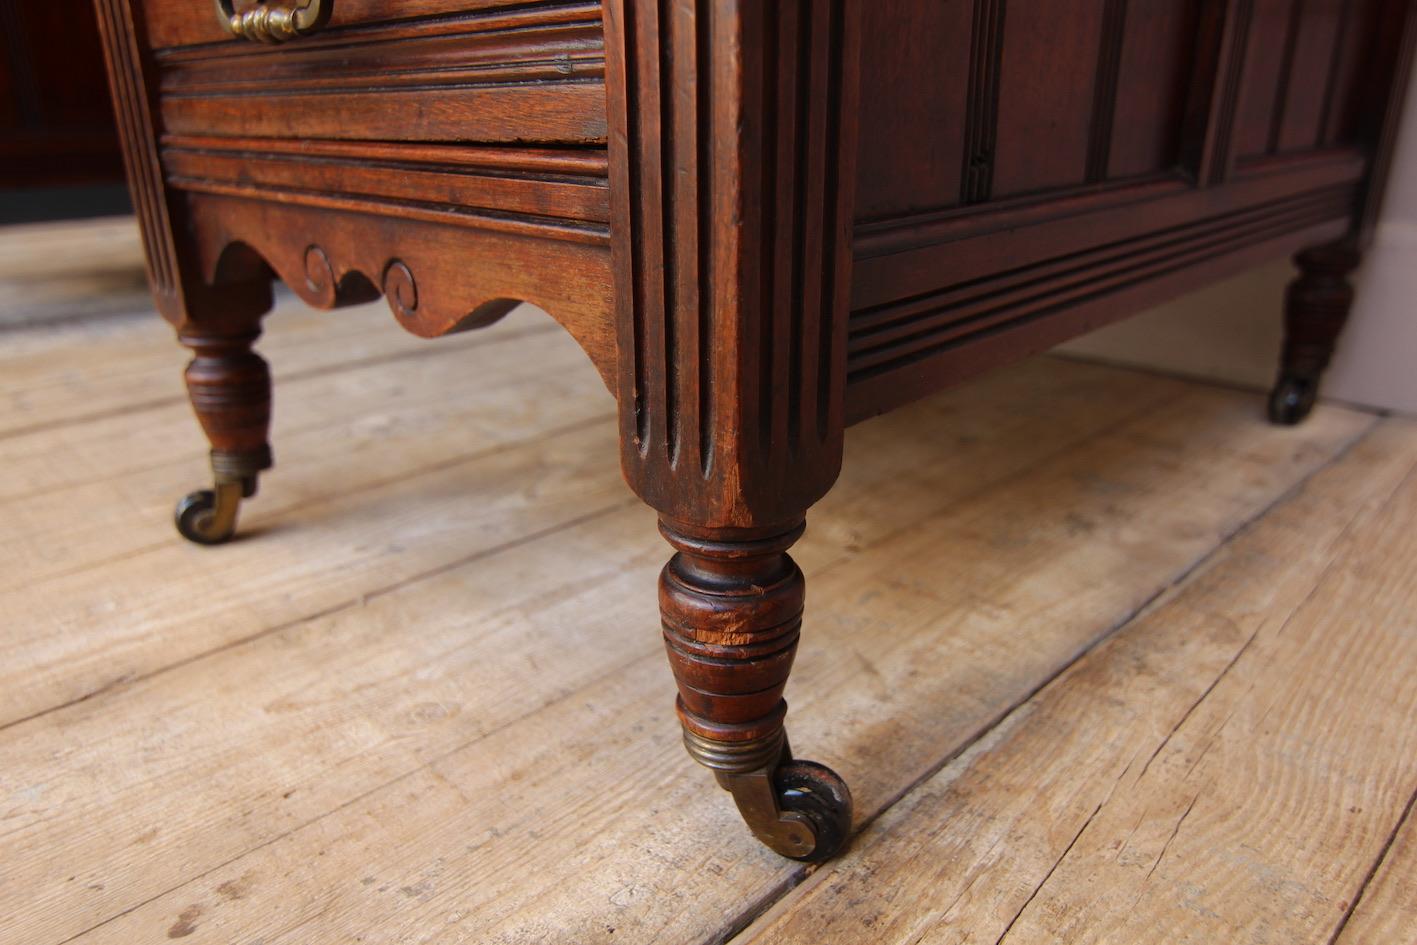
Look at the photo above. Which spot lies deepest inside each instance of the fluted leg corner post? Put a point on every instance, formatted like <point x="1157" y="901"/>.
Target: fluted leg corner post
<point x="731" y="145"/>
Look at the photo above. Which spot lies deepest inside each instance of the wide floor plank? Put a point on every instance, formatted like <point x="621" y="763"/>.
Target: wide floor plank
<point x="66" y="271"/>
<point x="1227" y="769"/>
<point x="410" y="463"/>
<point x="85" y="496"/>
<point x="484" y="750"/>
<point x="67" y="374"/>
<point x="1386" y="912"/>
<point x="986" y="432"/>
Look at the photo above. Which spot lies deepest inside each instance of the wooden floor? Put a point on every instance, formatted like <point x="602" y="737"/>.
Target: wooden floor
<point x="1104" y="657"/>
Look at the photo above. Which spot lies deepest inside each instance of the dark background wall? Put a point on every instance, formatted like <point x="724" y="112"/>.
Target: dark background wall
<point x="59" y="152"/>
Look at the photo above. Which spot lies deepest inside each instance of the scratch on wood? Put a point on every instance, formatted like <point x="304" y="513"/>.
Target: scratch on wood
<point x="1048" y="875"/>
<point x="1195" y="705"/>
<point x="1167" y="845"/>
<point x="1378" y="862"/>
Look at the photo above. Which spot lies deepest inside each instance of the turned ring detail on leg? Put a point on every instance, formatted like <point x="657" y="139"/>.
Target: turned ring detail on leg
<point x="230" y="389"/>
<point x="732" y="613"/>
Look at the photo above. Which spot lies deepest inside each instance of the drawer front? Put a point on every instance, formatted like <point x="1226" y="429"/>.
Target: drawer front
<point x="193" y="22"/>
<point x="468" y="72"/>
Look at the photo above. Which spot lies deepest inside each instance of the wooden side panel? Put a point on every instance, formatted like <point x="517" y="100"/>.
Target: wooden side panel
<point x="1145" y="146"/>
<point x="1046" y="91"/>
<point x="1157" y="55"/>
<point x="1305" y="72"/>
<point x="1359" y="32"/>
<point x="970" y="101"/>
<point x="1298" y="126"/>
<point x="911" y="144"/>
<point x="1261" y="88"/>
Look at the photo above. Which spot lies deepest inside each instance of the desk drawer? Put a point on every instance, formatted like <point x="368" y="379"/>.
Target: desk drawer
<point x="471" y="72"/>
<point x="187" y="23"/>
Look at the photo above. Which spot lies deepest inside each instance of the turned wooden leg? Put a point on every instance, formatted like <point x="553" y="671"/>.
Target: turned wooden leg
<point x="731" y="602"/>
<point x="230" y="388"/>
<point x="1316" y="306"/>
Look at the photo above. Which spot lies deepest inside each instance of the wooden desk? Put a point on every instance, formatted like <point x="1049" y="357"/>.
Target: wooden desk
<point x="762" y="222"/>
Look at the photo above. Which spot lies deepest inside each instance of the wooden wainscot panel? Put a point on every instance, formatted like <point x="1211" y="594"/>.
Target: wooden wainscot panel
<point x="925" y="48"/>
<point x="1045" y="96"/>
<point x="1302" y="68"/>
<point x="1154" y="69"/>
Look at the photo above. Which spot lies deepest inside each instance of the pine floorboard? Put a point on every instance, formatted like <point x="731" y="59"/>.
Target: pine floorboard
<point x="423" y="699"/>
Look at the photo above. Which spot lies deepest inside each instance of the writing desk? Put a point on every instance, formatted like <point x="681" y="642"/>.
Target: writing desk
<point x="762" y="221"/>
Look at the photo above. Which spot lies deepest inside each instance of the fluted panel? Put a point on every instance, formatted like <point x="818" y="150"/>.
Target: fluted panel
<point x="731" y="186"/>
<point x="132" y="107"/>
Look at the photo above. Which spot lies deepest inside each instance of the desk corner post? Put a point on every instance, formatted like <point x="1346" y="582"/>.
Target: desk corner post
<point x="732" y="140"/>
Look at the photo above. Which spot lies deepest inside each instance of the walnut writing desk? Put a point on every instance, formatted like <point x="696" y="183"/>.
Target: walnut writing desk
<point x="762" y="221"/>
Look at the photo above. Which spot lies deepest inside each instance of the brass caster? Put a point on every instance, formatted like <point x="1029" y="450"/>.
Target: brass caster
<point x="208" y="516"/>
<point x="799" y="809"/>
<point x="1292" y="399"/>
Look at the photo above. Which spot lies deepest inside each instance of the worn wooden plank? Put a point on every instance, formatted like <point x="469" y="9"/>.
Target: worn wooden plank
<point x="1225" y="770"/>
<point x="68" y="454"/>
<point x="84" y="631"/>
<point x="580" y="815"/>
<point x="990" y="430"/>
<point x="83" y="496"/>
<point x="54" y="272"/>
<point x="1387" y="909"/>
<point x="97" y="369"/>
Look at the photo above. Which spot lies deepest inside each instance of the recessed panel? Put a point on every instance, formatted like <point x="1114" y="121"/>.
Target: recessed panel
<point x="1046" y="87"/>
<point x="914" y="82"/>
<point x="1153" y="76"/>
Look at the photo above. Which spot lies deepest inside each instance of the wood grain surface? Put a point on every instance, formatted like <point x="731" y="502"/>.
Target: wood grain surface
<point x="1230" y="767"/>
<point x="422" y="699"/>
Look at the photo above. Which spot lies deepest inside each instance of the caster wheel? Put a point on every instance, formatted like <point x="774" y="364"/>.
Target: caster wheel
<point x="818" y="793"/>
<point x="1291" y="400"/>
<point x="196" y="519"/>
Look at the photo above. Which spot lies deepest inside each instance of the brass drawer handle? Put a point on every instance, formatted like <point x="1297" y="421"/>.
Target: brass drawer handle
<point x="272" y="24"/>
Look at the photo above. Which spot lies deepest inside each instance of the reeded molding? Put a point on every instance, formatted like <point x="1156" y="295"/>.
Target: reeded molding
<point x="732" y="147"/>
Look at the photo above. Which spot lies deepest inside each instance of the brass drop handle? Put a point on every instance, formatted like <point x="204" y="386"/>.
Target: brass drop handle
<point x="274" y="24"/>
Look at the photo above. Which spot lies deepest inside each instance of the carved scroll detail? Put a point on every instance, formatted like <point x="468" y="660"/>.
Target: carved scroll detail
<point x="401" y="290"/>
<point x="319" y="278"/>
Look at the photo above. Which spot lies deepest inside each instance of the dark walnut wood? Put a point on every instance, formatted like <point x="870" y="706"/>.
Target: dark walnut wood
<point x="762" y="222"/>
